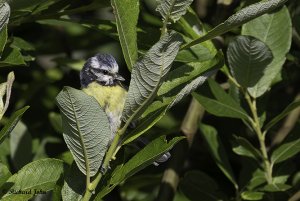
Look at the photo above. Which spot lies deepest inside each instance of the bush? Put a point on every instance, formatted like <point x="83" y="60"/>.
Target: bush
<point x="223" y="100"/>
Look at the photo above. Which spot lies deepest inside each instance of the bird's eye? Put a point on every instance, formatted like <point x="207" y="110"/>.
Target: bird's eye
<point x="105" y="72"/>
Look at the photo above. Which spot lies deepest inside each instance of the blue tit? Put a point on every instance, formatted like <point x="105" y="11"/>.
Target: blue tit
<point x="99" y="78"/>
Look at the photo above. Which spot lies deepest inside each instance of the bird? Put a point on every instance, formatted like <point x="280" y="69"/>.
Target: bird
<point x="100" y="79"/>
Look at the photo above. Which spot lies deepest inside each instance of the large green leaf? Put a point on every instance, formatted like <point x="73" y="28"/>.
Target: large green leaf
<point x="126" y="14"/>
<point x="285" y="112"/>
<point x="285" y="151"/>
<point x="172" y="9"/>
<point x="248" y="58"/>
<point x="12" y="122"/>
<point x="86" y="129"/>
<point x="148" y="73"/>
<point x="221" y="104"/>
<point x="275" y="30"/>
<point x="38" y="175"/>
<point x="242" y="16"/>
<point x="218" y="151"/>
<point x="178" y="84"/>
<point x="197" y="186"/>
<point x="143" y="158"/>
<point x="4" y="14"/>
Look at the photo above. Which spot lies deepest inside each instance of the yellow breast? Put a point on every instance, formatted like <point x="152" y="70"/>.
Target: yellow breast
<point x="110" y="98"/>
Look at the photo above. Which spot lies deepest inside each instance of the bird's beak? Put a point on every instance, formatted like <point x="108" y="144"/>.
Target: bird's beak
<point x="119" y="78"/>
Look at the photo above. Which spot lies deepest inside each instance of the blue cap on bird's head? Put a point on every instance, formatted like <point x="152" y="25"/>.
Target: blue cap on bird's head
<point x="101" y="68"/>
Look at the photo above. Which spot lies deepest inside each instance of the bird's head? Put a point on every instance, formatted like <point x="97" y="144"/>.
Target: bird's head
<point x="101" y="68"/>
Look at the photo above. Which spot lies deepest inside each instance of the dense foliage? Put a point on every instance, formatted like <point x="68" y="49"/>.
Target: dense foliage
<point x="213" y="82"/>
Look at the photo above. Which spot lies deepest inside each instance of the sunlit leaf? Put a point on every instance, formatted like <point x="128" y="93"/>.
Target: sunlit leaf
<point x="143" y="158"/>
<point x="148" y="73"/>
<point x="86" y="129"/>
<point x="38" y="175"/>
<point x="275" y="30"/>
<point x="242" y="16"/>
<point x="178" y="84"/>
<point x="172" y="10"/>
<point x="126" y="14"/>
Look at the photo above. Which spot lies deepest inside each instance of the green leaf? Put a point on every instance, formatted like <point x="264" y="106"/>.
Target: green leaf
<point x="218" y="151"/>
<point x="221" y="104"/>
<point x="3" y="39"/>
<point x="244" y="148"/>
<point x="38" y="175"/>
<point x="250" y="195"/>
<point x="192" y="28"/>
<point x="196" y="186"/>
<point x="21" y="44"/>
<point x="126" y="14"/>
<point x="256" y="179"/>
<point x="284" y="113"/>
<point x="4" y="14"/>
<point x="178" y="84"/>
<point x="143" y="158"/>
<point x="86" y="129"/>
<point x="148" y="73"/>
<point x="275" y="30"/>
<point x="242" y="16"/>
<point x="20" y="146"/>
<point x="74" y="184"/>
<point x="276" y="187"/>
<point x="11" y="56"/>
<point x="248" y="57"/>
<point x="4" y="173"/>
<point x="172" y="9"/>
<point x="56" y="122"/>
<point x="12" y="122"/>
<point x="285" y="151"/>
